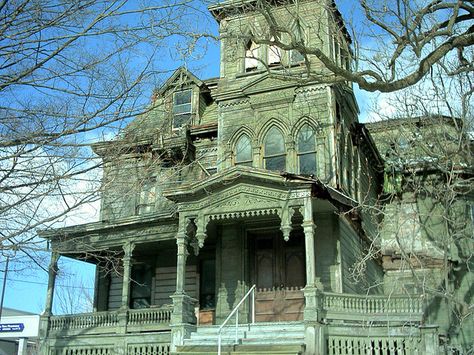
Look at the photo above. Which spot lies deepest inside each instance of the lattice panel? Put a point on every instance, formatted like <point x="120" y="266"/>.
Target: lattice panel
<point x="337" y="345"/>
<point x="150" y="349"/>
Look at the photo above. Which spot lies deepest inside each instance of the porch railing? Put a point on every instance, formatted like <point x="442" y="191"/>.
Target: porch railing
<point x="84" y="320"/>
<point x="359" y="307"/>
<point x="250" y="293"/>
<point x="112" y="321"/>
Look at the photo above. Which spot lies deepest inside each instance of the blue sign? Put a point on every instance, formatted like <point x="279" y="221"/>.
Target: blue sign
<point x="12" y="327"/>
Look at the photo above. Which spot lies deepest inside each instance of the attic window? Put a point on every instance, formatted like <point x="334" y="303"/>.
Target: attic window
<point x="181" y="108"/>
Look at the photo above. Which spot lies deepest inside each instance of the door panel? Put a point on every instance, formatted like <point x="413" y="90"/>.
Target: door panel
<point x="279" y="273"/>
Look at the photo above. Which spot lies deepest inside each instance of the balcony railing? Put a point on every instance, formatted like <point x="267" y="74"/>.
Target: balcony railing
<point x="148" y="319"/>
<point x="373" y="308"/>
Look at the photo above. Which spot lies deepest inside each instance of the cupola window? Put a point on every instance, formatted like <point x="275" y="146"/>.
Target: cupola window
<point x="300" y="37"/>
<point x="274" y="54"/>
<point x="274" y="146"/>
<point x="252" y="56"/>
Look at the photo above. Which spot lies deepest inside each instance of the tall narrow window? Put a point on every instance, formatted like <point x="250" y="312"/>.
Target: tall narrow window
<point x="274" y="54"/>
<point x="275" y="155"/>
<point x="307" y="150"/>
<point x="147" y="196"/>
<point x="243" y="151"/>
<point x="252" y="55"/>
<point x="297" y="30"/>
<point x="182" y="108"/>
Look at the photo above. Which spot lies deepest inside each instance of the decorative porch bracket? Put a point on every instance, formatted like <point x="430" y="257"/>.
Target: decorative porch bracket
<point x="286" y="227"/>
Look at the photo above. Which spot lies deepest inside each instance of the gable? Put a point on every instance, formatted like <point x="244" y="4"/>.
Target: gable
<point x="181" y="77"/>
<point x="243" y="197"/>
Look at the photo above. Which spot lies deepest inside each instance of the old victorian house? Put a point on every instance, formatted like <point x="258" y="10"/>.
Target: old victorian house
<point x="254" y="197"/>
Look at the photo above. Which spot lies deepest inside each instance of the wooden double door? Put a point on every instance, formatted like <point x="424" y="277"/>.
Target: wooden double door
<point x="278" y="270"/>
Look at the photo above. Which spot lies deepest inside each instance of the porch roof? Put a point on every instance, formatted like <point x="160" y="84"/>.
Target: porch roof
<point x="233" y="176"/>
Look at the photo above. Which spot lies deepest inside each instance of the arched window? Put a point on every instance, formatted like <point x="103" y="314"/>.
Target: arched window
<point x="306" y="150"/>
<point x="243" y="151"/>
<point x="274" y="146"/>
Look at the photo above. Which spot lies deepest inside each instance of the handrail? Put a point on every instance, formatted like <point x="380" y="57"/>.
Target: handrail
<point x="219" y="332"/>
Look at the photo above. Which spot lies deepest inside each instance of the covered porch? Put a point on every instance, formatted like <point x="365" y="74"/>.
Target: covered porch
<point x="241" y="228"/>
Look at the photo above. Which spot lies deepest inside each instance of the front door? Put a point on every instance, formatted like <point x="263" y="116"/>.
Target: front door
<point x="279" y="273"/>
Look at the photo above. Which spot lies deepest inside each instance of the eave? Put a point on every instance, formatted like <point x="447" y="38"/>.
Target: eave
<point x="105" y="226"/>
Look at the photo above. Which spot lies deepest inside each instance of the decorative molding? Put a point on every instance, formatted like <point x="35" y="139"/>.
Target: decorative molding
<point x="233" y="103"/>
<point x="217" y="199"/>
<point x="243" y="214"/>
<point x="308" y="89"/>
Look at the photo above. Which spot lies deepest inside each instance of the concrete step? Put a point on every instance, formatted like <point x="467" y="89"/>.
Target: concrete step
<point x="279" y="334"/>
<point x="295" y="349"/>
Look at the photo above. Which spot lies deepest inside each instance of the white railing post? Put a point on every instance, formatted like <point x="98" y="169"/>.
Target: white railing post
<point x="253" y="307"/>
<point x="235" y="311"/>
<point x="236" y="327"/>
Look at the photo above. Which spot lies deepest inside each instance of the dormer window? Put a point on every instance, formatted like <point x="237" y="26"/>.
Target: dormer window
<point x="182" y="108"/>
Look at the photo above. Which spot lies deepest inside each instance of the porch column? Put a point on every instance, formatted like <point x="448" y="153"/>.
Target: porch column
<point x="181" y="262"/>
<point x="183" y="319"/>
<point x="314" y="330"/>
<point x="308" y="228"/>
<point x="52" y="272"/>
<point x="127" y="268"/>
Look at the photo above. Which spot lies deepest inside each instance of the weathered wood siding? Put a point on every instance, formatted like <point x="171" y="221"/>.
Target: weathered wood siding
<point x="357" y="275"/>
<point x="326" y="251"/>
<point x="165" y="284"/>
<point x="115" y="291"/>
